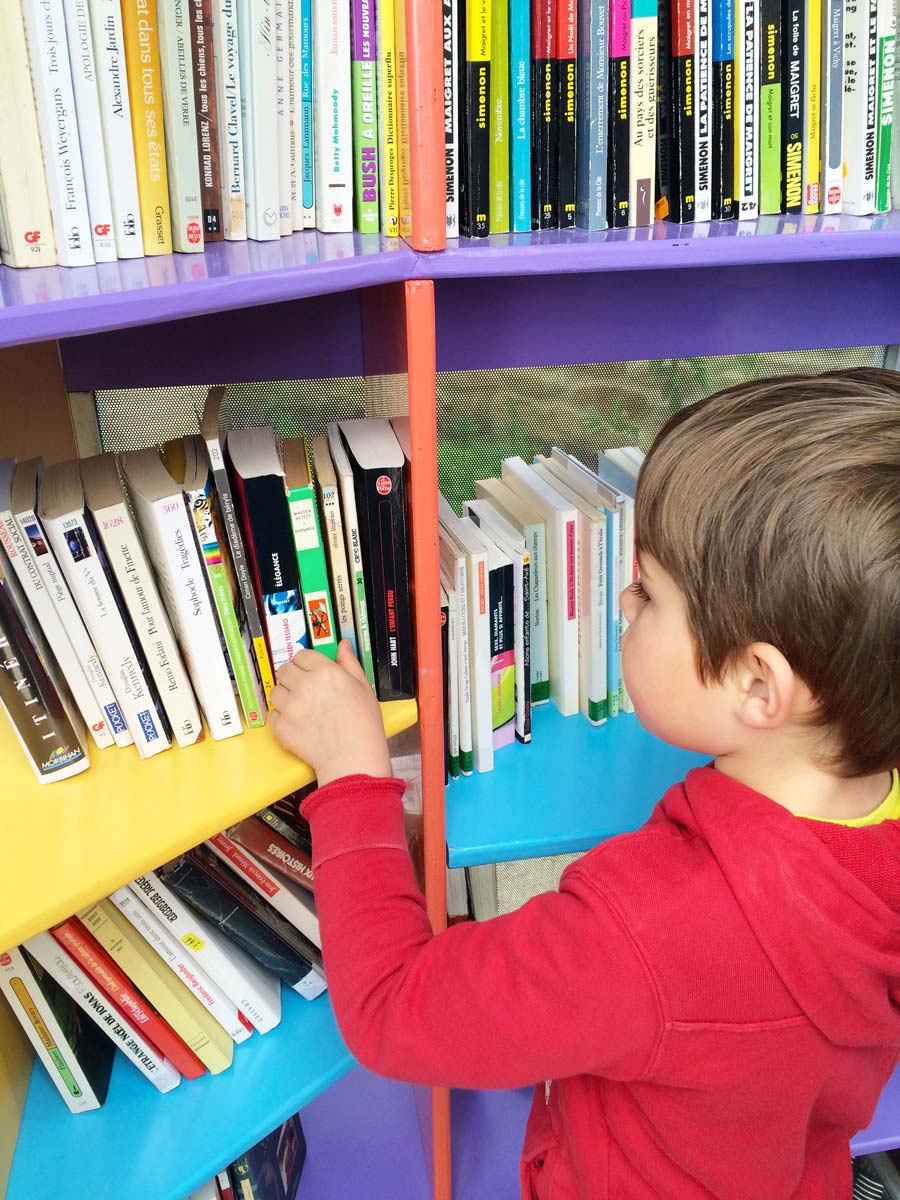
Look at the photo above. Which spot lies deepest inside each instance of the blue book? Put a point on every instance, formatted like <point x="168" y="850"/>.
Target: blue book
<point x="592" y="133"/>
<point x="520" y="113"/>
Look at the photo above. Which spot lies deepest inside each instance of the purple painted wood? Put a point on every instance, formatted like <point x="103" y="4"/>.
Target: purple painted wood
<point x="884" y="1131"/>
<point x="58" y="302"/>
<point x="548" y="320"/>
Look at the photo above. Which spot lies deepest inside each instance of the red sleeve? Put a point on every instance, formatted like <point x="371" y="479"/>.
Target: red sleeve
<point x="557" y="988"/>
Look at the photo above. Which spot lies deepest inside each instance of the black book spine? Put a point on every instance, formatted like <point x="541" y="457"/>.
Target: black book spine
<point x="544" y="103"/>
<point x="477" y="117"/>
<point x="684" y="115"/>
<point x="567" y="79"/>
<point x="793" y="98"/>
<point x="723" y="208"/>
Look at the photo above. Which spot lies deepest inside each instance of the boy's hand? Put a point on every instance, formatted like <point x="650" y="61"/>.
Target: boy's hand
<point x="327" y="714"/>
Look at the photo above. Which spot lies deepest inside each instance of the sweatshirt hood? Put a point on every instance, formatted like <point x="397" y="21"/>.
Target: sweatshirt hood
<point x="822" y="899"/>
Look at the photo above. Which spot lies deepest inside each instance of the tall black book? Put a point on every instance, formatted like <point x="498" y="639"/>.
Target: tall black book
<point x="476" y="117"/>
<point x="271" y="1169"/>
<point x="683" y="99"/>
<point x="567" y="82"/>
<point x="544" y="106"/>
<point x="723" y="208"/>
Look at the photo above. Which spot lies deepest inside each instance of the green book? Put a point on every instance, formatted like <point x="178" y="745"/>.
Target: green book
<point x="311" y="562"/>
<point x="364" y="84"/>
<point x="498" y="170"/>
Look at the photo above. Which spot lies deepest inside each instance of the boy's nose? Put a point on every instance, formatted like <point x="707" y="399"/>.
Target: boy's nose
<point x="628" y="602"/>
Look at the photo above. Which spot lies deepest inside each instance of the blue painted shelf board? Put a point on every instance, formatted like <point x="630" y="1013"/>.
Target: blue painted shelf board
<point x="572" y="787"/>
<point x="144" y="1144"/>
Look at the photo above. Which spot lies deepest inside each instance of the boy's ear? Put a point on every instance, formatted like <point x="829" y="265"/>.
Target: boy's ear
<point x="767" y="688"/>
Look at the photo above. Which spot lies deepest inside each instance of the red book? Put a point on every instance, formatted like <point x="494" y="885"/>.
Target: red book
<point x="81" y="944"/>
<point x="274" y="849"/>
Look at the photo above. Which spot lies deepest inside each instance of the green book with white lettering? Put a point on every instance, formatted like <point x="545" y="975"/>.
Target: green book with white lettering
<point x="307" y="530"/>
<point x="364" y="84"/>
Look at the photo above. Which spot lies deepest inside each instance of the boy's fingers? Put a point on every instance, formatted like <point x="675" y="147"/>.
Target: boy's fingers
<point x="348" y="660"/>
<point x="307" y="660"/>
<point x="280" y="697"/>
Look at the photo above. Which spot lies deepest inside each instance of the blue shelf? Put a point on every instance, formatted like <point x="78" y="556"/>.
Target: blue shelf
<point x="143" y="1144"/>
<point x="574" y="786"/>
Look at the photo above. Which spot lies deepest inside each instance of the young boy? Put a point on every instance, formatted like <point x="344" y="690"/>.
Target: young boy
<point x="716" y="997"/>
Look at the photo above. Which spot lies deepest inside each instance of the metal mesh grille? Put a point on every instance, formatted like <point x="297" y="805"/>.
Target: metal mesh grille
<point x="519" y="881"/>
<point x="485" y="416"/>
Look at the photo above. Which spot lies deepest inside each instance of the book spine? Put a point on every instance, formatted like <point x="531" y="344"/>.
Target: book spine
<point x="498" y="121"/>
<point x="258" y="118"/>
<point x="503" y="657"/>
<point x="77" y="552"/>
<point x="723" y="110"/>
<point x="703" y="97"/>
<point x="592" y="113"/>
<point x="519" y="115"/>
<point x="355" y="571"/>
<point x="769" y="106"/>
<point x="139" y="26"/>
<point x="90" y="130"/>
<point x="404" y="181"/>
<point x="334" y="120"/>
<point x="283" y="116"/>
<point x="664" y="112"/>
<point x="180" y="121"/>
<point x="227" y="74"/>
<point x="812" y="107"/>
<point x="566" y="110"/>
<point x="295" y="112"/>
<point x="642" y="102"/>
<point x="464" y="664"/>
<point x="125" y="555"/>
<point x="262" y="836"/>
<point x="169" y="949"/>
<point x="452" y="686"/>
<point x="544" y="162"/>
<point x="18" y="551"/>
<point x="618" y="154"/>
<point x="597" y="699"/>
<point x="479" y="662"/>
<point x="267" y="885"/>
<point x="236" y="973"/>
<point x="523" y="653"/>
<point x="832" y="106"/>
<point x="792" y="157"/>
<point x="746" y="122"/>
<point x="885" y="76"/>
<point x="613" y="575"/>
<point x="115" y="118"/>
<point x="313" y="571"/>
<point x="308" y="123"/>
<point x="61" y="966"/>
<point x="364" y="65"/>
<point x="340" y="578"/>
<point x="238" y="643"/>
<point x="19" y="985"/>
<point x="536" y="543"/>
<point x="860" y="106"/>
<point x="206" y="112"/>
<point x="452" y="158"/>
<point x="26" y="226"/>
<point x="684" y="109"/>
<point x="54" y="96"/>
<point x="477" y="116"/>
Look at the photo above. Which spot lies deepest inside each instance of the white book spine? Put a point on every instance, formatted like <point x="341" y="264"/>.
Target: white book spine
<point x="278" y="892"/>
<point x="169" y="538"/>
<point x="354" y="551"/>
<point x="295" y="113"/>
<point x="283" y="116"/>
<point x="703" y="143"/>
<point x="54" y="95"/>
<point x="629" y="563"/>
<point x="132" y="572"/>
<point x="37" y="1018"/>
<point x="115" y="118"/>
<point x="58" y="963"/>
<point x="480" y="660"/>
<point x="860" y="73"/>
<point x="90" y="129"/>
<point x="337" y="558"/>
<point x="61" y="598"/>
<point x="464" y="665"/>
<point x="832" y="143"/>
<point x="171" y="951"/>
<point x="746" y="115"/>
<point x="18" y="551"/>
<point x="255" y="991"/>
<point x="231" y="135"/>
<point x="26" y="227"/>
<point x="256" y="26"/>
<point x="180" y="123"/>
<point x="334" y="122"/>
<point x="77" y="554"/>
<point x="536" y="541"/>
<point x="453" y="675"/>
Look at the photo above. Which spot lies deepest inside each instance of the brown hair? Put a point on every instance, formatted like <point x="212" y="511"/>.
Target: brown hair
<point x="775" y="506"/>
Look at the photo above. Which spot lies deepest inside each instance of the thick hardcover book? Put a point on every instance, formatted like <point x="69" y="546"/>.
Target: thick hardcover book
<point x="90" y="130"/>
<point x="60" y="964"/>
<point x="310" y="546"/>
<point x="206" y="110"/>
<point x="498" y="168"/>
<point x="544" y="102"/>
<point x="566" y="110"/>
<point x="643" y="105"/>
<point x="199" y="884"/>
<point x="793" y="71"/>
<point x="26" y="227"/>
<point x="377" y="461"/>
<point x="619" y="152"/>
<point x="105" y="498"/>
<point x="227" y="74"/>
<point x="260" y="493"/>
<point x="592" y="113"/>
<point x="140" y="30"/>
<point x="703" y="99"/>
<point x="812" y="106"/>
<point x="54" y="96"/>
<point x="271" y="1169"/>
<point x="115" y="118"/>
<point x="76" y="1055"/>
<point x="770" y="94"/>
<point x="477" y="117"/>
<point x="189" y="467"/>
<point x="180" y="121"/>
<point x="832" y="140"/>
<point x="76" y="543"/>
<point x="684" y="112"/>
<point x="275" y="844"/>
<point x="256" y="35"/>
<point x="249" y="611"/>
<point x="746" y="116"/>
<point x="364" y="66"/>
<point x="328" y="494"/>
<point x="451" y="106"/>
<point x="168" y="534"/>
<point x="334" y="117"/>
<point x="723" y="110"/>
<point x="344" y="473"/>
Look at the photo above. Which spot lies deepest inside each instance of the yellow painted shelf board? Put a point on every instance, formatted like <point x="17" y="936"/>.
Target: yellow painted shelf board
<point x="68" y="844"/>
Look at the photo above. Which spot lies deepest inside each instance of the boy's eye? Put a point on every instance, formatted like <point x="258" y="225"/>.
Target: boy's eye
<point x="640" y="591"/>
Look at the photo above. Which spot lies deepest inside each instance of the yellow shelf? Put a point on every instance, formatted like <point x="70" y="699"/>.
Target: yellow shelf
<point x="67" y="844"/>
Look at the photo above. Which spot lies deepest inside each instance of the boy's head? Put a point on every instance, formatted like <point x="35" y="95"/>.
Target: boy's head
<point x="768" y="524"/>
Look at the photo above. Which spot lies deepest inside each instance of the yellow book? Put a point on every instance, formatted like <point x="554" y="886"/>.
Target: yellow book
<point x="388" y="123"/>
<point x="145" y="89"/>
<point x="175" y="1002"/>
<point x="812" y="115"/>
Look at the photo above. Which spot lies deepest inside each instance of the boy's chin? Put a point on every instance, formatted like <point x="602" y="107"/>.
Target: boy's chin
<point x="674" y="734"/>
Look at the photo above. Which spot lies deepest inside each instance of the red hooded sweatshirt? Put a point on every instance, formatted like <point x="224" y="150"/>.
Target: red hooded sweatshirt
<point x="715" y="996"/>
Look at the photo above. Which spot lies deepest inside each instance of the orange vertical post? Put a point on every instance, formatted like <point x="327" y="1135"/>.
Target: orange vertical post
<point x="423" y="189"/>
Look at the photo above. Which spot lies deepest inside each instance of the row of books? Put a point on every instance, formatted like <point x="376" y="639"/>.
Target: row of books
<point x="270" y="1170"/>
<point x="530" y="576"/>
<point x="177" y="967"/>
<point x="140" y="591"/>
<point x="616" y="112"/>
<point x="137" y="128"/>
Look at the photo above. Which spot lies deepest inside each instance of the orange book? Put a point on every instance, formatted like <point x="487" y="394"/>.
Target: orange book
<point x="145" y="88"/>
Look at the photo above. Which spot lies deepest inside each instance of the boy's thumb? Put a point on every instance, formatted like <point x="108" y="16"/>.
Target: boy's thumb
<point x="348" y="660"/>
